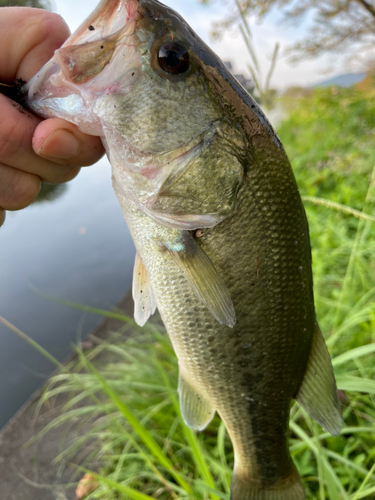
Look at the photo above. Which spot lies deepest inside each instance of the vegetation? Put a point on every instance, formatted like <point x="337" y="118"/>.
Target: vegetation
<point x="125" y="391"/>
<point x="329" y="139"/>
<point x="338" y="25"/>
<point x="38" y="4"/>
<point x="264" y="93"/>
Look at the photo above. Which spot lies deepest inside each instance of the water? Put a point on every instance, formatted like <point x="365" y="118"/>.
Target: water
<point x="77" y="248"/>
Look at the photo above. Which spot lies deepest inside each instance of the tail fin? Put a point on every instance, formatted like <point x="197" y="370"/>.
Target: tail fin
<point x="289" y="488"/>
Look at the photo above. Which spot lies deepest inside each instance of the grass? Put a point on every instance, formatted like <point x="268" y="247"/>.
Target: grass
<point x="140" y="445"/>
<point x="329" y="139"/>
<point x="124" y="392"/>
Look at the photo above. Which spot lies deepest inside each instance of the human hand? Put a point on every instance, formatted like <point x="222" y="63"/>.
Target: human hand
<point x="32" y="149"/>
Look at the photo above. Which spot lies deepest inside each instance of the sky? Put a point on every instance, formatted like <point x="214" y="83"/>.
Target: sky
<point x="232" y="47"/>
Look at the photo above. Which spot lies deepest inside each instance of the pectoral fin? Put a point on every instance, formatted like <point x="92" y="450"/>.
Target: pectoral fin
<point x="196" y="411"/>
<point x="318" y="392"/>
<point x="204" y="279"/>
<point x="143" y="296"/>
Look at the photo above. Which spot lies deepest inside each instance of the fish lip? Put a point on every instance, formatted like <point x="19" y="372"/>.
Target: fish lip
<point x="33" y="86"/>
<point x="110" y="17"/>
<point x="39" y="88"/>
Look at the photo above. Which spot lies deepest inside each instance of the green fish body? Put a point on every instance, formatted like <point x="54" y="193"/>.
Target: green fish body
<point x="222" y="238"/>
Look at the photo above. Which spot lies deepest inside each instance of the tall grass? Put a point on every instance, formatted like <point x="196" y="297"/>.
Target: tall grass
<point x="139" y="447"/>
<point x="265" y="92"/>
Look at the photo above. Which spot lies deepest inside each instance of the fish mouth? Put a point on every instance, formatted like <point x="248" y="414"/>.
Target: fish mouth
<point x="109" y="17"/>
<point x="85" y="54"/>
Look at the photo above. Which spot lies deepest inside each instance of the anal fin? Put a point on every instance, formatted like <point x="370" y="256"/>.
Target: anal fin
<point x="196" y="411"/>
<point x="205" y="280"/>
<point x="318" y="391"/>
<point x="143" y="296"/>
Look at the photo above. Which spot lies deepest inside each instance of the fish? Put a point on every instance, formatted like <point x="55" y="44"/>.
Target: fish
<point x="222" y="239"/>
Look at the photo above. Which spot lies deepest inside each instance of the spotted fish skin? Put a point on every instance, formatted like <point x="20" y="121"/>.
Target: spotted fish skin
<point x="222" y="238"/>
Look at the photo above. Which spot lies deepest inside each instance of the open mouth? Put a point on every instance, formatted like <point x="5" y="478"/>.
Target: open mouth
<point x="87" y="52"/>
<point x="109" y="17"/>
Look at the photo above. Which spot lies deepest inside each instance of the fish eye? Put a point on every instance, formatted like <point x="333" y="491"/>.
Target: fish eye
<point x="173" y="58"/>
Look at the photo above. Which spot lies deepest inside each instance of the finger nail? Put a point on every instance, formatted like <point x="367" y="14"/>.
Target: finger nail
<point x="61" y="144"/>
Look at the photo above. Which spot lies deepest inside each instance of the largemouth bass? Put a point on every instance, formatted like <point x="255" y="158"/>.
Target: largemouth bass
<point x="222" y="238"/>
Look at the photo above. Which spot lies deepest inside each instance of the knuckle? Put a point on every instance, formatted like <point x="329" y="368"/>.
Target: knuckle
<point x="9" y="139"/>
<point x="71" y="173"/>
<point x="92" y="153"/>
<point x="48" y="28"/>
<point x="19" y="189"/>
<point x="62" y="174"/>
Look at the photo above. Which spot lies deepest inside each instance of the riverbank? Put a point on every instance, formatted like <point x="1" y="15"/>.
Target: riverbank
<point x="29" y="472"/>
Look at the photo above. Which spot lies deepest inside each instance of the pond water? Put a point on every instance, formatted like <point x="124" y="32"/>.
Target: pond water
<point x="75" y="247"/>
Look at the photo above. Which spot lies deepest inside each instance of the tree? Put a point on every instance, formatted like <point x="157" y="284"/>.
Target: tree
<point x="338" y="26"/>
<point x="39" y="4"/>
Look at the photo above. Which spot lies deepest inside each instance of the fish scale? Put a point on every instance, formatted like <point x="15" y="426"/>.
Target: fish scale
<point x="221" y="235"/>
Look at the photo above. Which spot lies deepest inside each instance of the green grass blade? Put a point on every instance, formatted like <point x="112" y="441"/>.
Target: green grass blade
<point x="357" y="384"/>
<point x="32" y="342"/>
<point x="221" y="452"/>
<point x="364" y="494"/>
<point x="330" y="479"/>
<point x="121" y="488"/>
<point x="339" y="207"/>
<point x="326" y="471"/>
<point x="248" y="38"/>
<point x="140" y="430"/>
<point x="349" y="463"/>
<point x="84" y="308"/>
<point x="353" y="354"/>
<point x="273" y="64"/>
<point x="213" y="492"/>
<point x="365" y="481"/>
<point x="194" y="444"/>
<point x="94" y="310"/>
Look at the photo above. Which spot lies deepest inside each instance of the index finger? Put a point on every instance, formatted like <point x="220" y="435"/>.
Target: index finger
<point x="30" y="36"/>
